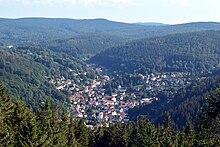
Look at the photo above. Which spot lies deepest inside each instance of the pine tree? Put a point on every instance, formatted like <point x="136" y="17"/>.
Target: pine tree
<point x="181" y="139"/>
<point x="44" y="116"/>
<point x="6" y="110"/>
<point x="71" y="140"/>
<point x="81" y="133"/>
<point x="24" y="126"/>
<point x="97" y="137"/>
<point x="126" y="134"/>
<point x="189" y="135"/>
<point x="115" y="135"/>
<point x="137" y="134"/>
<point x="58" y="137"/>
<point x="165" y="133"/>
<point x="209" y="122"/>
<point x="144" y="133"/>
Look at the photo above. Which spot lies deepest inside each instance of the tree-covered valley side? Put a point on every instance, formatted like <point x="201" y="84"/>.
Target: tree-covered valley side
<point x="185" y="106"/>
<point x="189" y="52"/>
<point x="102" y="83"/>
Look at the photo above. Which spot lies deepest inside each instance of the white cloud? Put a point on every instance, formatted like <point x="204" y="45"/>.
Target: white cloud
<point x="91" y="2"/>
<point x="124" y="2"/>
<point x="43" y="2"/>
<point x="73" y="2"/>
<point x="181" y="3"/>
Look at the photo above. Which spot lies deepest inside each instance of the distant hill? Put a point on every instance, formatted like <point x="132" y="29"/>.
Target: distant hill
<point x="49" y="31"/>
<point x="85" y="45"/>
<point x="35" y="29"/>
<point x="151" y="24"/>
<point x="38" y="29"/>
<point x="192" y="52"/>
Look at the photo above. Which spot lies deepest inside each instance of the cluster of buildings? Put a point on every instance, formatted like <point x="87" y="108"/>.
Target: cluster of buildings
<point x="95" y="104"/>
<point x="92" y="100"/>
<point x="164" y="82"/>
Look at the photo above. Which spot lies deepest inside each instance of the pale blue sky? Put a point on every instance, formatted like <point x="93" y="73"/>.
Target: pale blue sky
<point x="165" y="11"/>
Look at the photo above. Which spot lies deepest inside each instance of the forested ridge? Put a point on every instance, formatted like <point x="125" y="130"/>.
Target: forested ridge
<point x="43" y="28"/>
<point x="50" y="126"/>
<point x="49" y="32"/>
<point x="188" y="52"/>
<point x="84" y="45"/>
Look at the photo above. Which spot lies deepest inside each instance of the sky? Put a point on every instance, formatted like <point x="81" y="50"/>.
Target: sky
<point x="164" y="11"/>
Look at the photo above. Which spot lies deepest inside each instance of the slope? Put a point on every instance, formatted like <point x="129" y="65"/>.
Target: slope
<point x="25" y="71"/>
<point x="186" y="105"/>
<point x="189" y="52"/>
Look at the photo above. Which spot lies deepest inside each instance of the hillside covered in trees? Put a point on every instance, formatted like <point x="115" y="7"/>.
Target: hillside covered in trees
<point x="75" y="36"/>
<point x="26" y="70"/>
<point x="36" y="29"/>
<point x="188" y="52"/>
<point x="185" y="106"/>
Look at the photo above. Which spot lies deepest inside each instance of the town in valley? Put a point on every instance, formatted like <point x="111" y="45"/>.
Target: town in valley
<point x="99" y="104"/>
